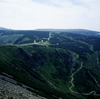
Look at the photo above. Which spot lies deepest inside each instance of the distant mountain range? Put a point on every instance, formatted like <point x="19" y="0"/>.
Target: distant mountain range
<point x="2" y="28"/>
<point x="75" y="31"/>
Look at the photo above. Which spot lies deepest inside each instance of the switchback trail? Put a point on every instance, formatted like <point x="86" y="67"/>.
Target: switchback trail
<point x="70" y="88"/>
<point x="92" y="92"/>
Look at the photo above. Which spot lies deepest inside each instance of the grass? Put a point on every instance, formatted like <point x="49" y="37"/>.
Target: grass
<point x="36" y="63"/>
<point x="10" y="39"/>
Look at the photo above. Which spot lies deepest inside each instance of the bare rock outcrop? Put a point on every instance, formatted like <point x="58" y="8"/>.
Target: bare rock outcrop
<point x="12" y="91"/>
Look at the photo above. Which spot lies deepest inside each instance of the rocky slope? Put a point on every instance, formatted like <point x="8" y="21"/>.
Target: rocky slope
<point x="10" y="90"/>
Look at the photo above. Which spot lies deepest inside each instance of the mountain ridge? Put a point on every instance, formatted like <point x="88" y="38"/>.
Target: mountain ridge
<point x="2" y="28"/>
<point x="75" y="31"/>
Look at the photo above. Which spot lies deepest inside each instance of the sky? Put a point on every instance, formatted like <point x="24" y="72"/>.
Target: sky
<point x="50" y="14"/>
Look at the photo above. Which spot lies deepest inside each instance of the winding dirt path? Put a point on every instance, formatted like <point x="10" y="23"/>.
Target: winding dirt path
<point x="92" y="92"/>
<point x="70" y="88"/>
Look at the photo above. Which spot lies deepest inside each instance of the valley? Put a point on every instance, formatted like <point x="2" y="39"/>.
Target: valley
<point x="60" y="65"/>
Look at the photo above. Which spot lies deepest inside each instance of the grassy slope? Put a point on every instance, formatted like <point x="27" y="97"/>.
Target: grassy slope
<point x="50" y="67"/>
<point x="16" y="62"/>
<point x="21" y="37"/>
<point x="45" y="68"/>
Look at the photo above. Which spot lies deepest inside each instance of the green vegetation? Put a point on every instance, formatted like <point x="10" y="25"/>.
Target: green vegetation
<point x="47" y="65"/>
<point x="22" y="37"/>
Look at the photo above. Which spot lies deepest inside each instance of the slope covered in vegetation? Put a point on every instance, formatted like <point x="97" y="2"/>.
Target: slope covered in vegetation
<point x="58" y="65"/>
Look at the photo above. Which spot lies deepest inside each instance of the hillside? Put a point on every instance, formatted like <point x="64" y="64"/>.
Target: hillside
<point x="21" y="36"/>
<point x="75" y="31"/>
<point x="56" y="64"/>
<point x="2" y="28"/>
<point x="9" y="89"/>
